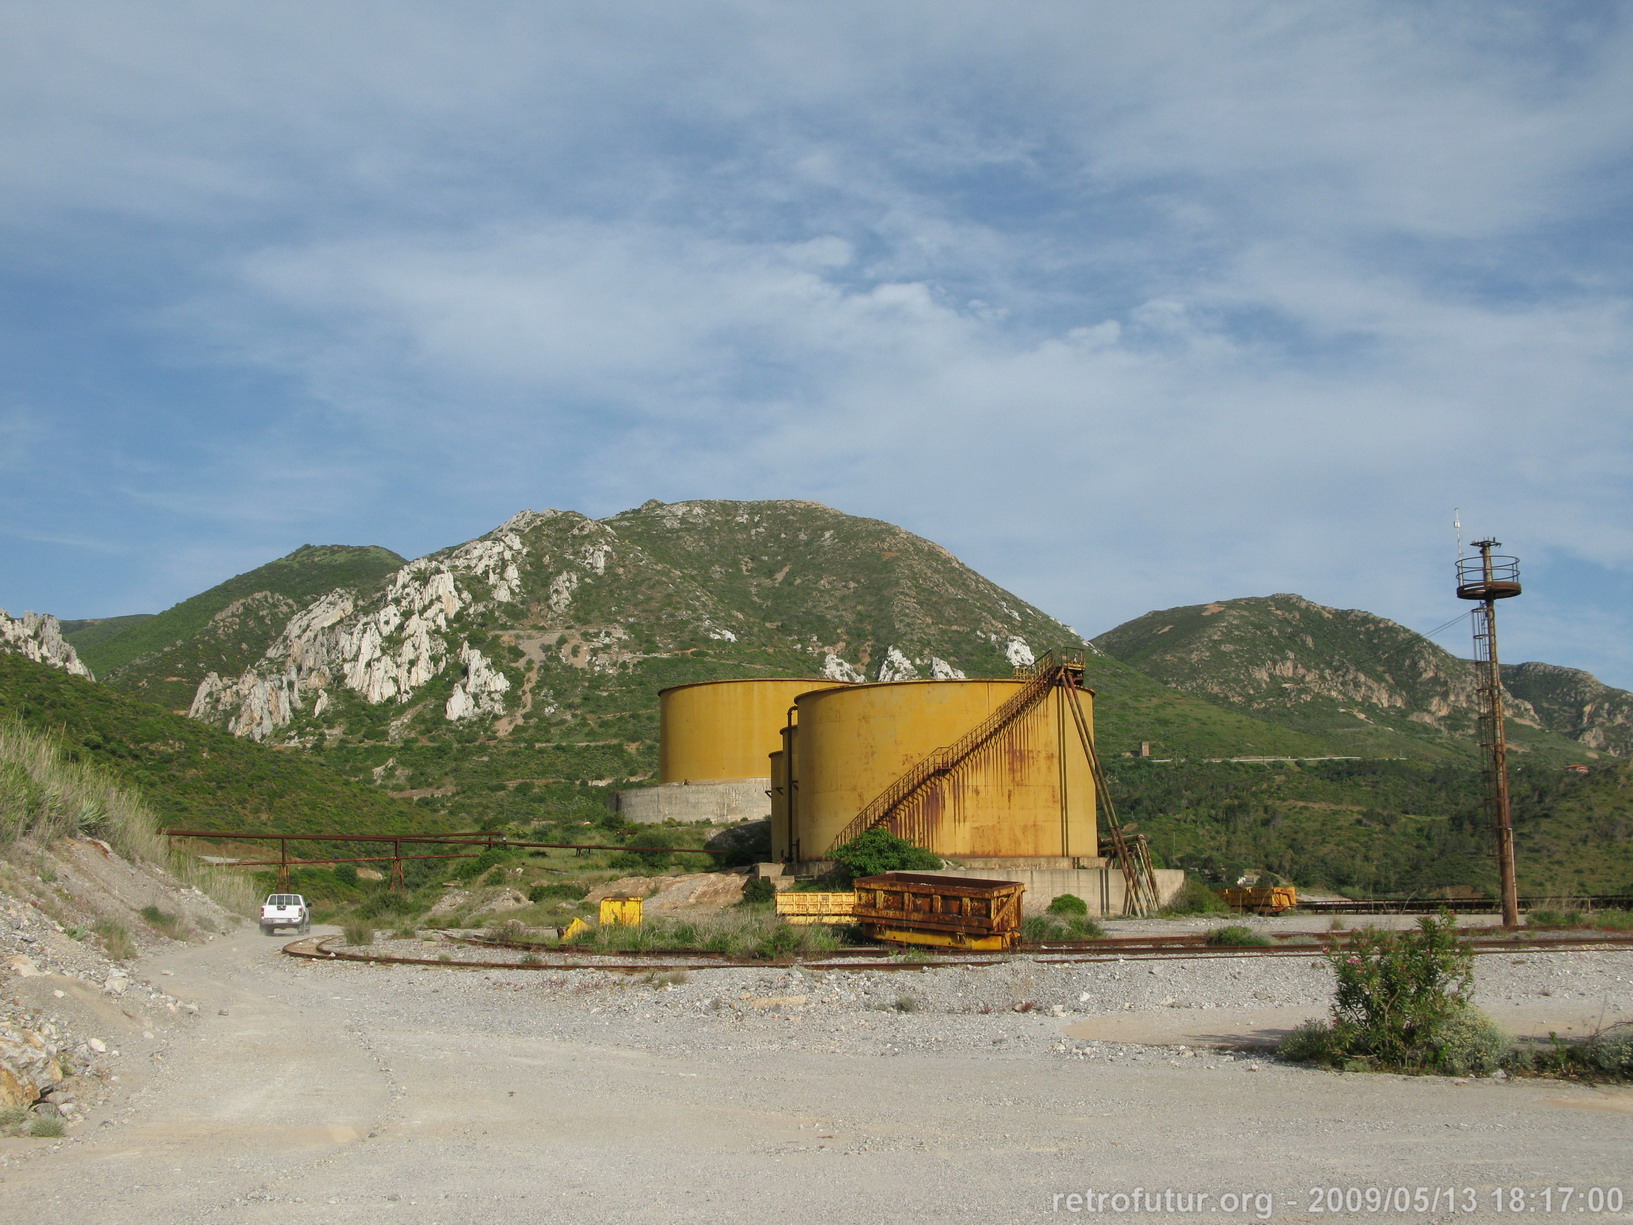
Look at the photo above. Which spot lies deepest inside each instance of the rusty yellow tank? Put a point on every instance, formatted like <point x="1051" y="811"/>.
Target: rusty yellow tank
<point x="716" y="730"/>
<point x="1027" y="791"/>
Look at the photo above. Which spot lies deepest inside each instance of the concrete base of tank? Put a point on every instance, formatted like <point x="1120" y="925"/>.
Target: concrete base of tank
<point x="723" y="802"/>
<point x="1099" y="884"/>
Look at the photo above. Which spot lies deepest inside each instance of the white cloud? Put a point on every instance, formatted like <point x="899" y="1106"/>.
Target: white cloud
<point x="1129" y="305"/>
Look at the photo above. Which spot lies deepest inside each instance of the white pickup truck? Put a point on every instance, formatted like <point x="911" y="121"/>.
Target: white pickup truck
<point x="285" y="910"/>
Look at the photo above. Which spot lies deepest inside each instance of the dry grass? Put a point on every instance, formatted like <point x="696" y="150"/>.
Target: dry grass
<point x="44" y="797"/>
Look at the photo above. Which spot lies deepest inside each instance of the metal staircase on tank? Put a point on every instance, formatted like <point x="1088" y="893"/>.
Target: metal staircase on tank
<point x="899" y="808"/>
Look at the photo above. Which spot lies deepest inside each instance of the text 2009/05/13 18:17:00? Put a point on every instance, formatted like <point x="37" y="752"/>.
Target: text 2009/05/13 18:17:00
<point x="1330" y="1200"/>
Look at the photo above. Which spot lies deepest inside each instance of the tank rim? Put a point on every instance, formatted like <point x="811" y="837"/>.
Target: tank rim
<point x="853" y="686"/>
<point x="816" y="682"/>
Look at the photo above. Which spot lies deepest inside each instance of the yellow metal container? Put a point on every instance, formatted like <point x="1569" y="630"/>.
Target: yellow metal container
<point x="804" y="909"/>
<point x="1271" y="899"/>
<point x="620" y="912"/>
<point x="717" y="730"/>
<point x="574" y="930"/>
<point x="1028" y="792"/>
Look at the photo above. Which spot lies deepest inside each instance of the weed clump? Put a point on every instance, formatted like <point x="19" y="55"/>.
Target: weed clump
<point x="554" y="893"/>
<point x="1067" y="905"/>
<point x="1039" y="929"/>
<point x="358" y="933"/>
<point x="115" y="939"/>
<point x="163" y="922"/>
<point x="1237" y="935"/>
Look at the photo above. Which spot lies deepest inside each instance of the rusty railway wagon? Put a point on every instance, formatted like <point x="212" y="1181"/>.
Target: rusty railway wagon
<point x="940" y="911"/>
<point x="1271" y="899"/>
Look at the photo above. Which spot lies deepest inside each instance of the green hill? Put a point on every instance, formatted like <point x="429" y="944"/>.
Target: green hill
<point x="1584" y="842"/>
<point x="514" y="671"/>
<point x="1381" y="826"/>
<point x="1575" y="704"/>
<point x="164" y="657"/>
<point x="190" y="775"/>
<point x="1357" y="680"/>
<point x="90" y="634"/>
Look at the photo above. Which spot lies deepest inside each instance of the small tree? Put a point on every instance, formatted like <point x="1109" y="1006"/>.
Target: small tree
<point x="878" y="851"/>
<point x="1401" y="1004"/>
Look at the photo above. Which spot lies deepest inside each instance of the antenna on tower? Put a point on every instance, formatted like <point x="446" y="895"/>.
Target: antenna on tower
<point x="1457" y="526"/>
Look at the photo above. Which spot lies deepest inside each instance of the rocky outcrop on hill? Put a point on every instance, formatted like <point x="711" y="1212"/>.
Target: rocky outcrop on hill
<point x="1576" y="704"/>
<point x="38" y="636"/>
<point x="393" y="645"/>
<point x="553" y="611"/>
<point x="1329" y="670"/>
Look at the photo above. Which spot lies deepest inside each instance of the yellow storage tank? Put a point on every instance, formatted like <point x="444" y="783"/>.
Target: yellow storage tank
<point x="782" y="830"/>
<point x="1026" y="792"/>
<point x="716" y="730"/>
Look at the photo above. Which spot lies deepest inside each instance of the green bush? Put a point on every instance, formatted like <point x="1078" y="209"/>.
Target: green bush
<point x="759" y="890"/>
<point x="358" y="932"/>
<point x="1068" y="904"/>
<point x="47" y="1127"/>
<point x="1401" y="1004"/>
<point x="1194" y="897"/>
<point x="1045" y="927"/>
<point x="878" y="851"/>
<point x="1236" y="935"/>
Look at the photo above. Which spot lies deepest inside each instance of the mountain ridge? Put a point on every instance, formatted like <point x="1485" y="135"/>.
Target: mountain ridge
<point x="1345" y="674"/>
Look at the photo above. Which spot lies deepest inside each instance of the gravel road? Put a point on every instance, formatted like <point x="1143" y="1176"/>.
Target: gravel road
<point x="326" y="1092"/>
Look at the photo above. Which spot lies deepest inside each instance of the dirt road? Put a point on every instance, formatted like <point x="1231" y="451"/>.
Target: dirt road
<point x="310" y="1092"/>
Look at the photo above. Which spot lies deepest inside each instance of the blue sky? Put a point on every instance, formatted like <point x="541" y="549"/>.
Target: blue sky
<point x="1130" y="306"/>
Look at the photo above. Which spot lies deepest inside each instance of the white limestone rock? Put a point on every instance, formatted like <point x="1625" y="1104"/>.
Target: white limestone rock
<point x="38" y="636"/>
<point x="481" y="691"/>
<point x="836" y="669"/>
<point x="388" y="649"/>
<point x="896" y="667"/>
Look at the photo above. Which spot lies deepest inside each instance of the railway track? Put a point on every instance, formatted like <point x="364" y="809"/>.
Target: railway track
<point x="1082" y="952"/>
<point x="1461" y="905"/>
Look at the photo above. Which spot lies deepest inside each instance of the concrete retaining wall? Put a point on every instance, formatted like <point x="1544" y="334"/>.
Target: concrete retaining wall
<point x="723" y="803"/>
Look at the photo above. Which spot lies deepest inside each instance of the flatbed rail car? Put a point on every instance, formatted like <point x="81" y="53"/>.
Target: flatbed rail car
<point x="808" y="909"/>
<point x="1272" y="899"/>
<point x="940" y="911"/>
